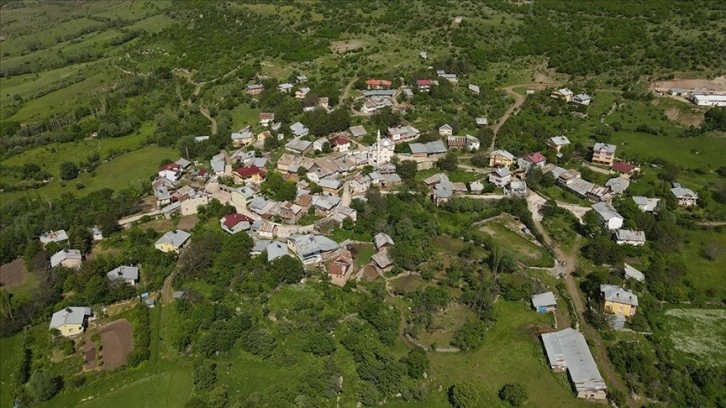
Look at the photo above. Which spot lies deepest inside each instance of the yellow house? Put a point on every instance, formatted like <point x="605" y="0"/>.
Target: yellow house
<point x="70" y="321"/>
<point x="172" y="241"/>
<point x="617" y="300"/>
<point x="500" y="158"/>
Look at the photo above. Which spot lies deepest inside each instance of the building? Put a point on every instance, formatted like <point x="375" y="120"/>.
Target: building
<point x="171" y="172"/>
<point x="467" y="142"/>
<point x="96" y="233"/>
<point x="568" y="350"/>
<point x="544" y="302"/>
<point x="382" y="241"/>
<point x="400" y="134"/>
<point x="67" y="258"/>
<point x="70" y="321"/>
<point x="378" y="84"/>
<point x="481" y="121"/>
<point x="646" y="204"/>
<point x="581" y="99"/>
<point x="299" y="130"/>
<point x="608" y="215"/>
<point x="128" y="274"/>
<point x="218" y="164"/>
<point x="276" y="249"/>
<point x="255" y="89"/>
<point x="500" y="177"/>
<point x="617" y="300"/>
<point x="357" y="131"/>
<point x="427" y="149"/>
<point x="266" y="118"/>
<point x="564" y="94"/>
<point x="235" y="222"/>
<point x="536" y="159"/>
<point x="632" y="273"/>
<point x="286" y="87"/>
<point x="382" y="261"/>
<point x="618" y="185"/>
<point x="340" y="144"/>
<point x="474" y="88"/>
<point x="381" y="152"/>
<point x="516" y="188"/>
<point x="557" y="142"/>
<point x="53" y="236"/>
<point x="299" y="146"/>
<point x="709" y="100"/>
<point x="446" y="130"/>
<point x="302" y="92"/>
<point x="424" y="84"/>
<point x="248" y="173"/>
<point x="685" y="196"/>
<point x="340" y="267"/>
<point x="311" y="248"/>
<point x="625" y="169"/>
<point x="500" y="158"/>
<point x="629" y="237"/>
<point x="603" y="153"/>
<point x="172" y="241"/>
<point x="375" y="103"/>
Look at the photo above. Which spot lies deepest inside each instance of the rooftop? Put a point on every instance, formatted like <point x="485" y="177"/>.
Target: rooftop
<point x="69" y="315"/>
<point x="124" y="272"/>
<point x="568" y="346"/>
<point x="612" y="293"/>
<point x="544" y="299"/>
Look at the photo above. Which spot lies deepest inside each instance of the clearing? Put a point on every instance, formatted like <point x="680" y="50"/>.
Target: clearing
<point x="508" y="233"/>
<point x="700" y="333"/>
<point x="116" y="342"/>
<point x="13" y="274"/>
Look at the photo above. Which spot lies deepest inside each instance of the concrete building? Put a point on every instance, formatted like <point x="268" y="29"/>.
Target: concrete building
<point x="568" y="350"/>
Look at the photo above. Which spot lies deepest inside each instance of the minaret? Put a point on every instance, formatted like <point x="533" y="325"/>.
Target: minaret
<point x="378" y="148"/>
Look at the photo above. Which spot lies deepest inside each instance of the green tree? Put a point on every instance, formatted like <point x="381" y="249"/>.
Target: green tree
<point x="449" y="162"/>
<point x="407" y="169"/>
<point x="320" y="344"/>
<point x="416" y="363"/>
<point x="513" y="393"/>
<point x="463" y="395"/>
<point x="68" y="171"/>
<point x="470" y="335"/>
<point x="43" y="385"/>
<point x="204" y="375"/>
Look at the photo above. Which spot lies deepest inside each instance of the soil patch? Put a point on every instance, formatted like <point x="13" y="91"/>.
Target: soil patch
<point x="688" y="119"/>
<point x="716" y="84"/>
<point x="188" y="222"/>
<point x="116" y="340"/>
<point x="13" y="274"/>
<point x="341" y="47"/>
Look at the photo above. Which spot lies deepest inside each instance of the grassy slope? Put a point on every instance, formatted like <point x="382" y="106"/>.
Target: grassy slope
<point x="10" y="348"/>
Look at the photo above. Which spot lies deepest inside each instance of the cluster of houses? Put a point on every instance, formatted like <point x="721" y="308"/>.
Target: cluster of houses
<point x="699" y="96"/>
<point x="565" y="94"/>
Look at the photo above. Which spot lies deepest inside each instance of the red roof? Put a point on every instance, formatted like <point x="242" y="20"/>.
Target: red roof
<point x="423" y="82"/>
<point x="249" y="171"/>
<point x="340" y="141"/>
<point x="622" y="167"/>
<point x="230" y="220"/>
<point x="170" y="166"/>
<point x="535" y="157"/>
<point x="267" y="116"/>
<point x="202" y="172"/>
<point x="379" y="82"/>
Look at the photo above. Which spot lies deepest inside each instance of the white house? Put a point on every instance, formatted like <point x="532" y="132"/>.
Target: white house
<point x="685" y="196"/>
<point x="500" y="177"/>
<point x="608" y="215"/>
<point x="446" y="130"/>
<point x="128" y="274"/>
<point x="629" y="237"/>
<point x="646" y="204"/>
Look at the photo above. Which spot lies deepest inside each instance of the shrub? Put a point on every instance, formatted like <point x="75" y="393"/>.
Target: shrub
<point x="463" y="396"/>
<point x="513" y="393"/>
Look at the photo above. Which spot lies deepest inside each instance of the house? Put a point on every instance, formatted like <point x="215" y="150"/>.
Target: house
<point x="629" y="237"/>
<point x="266" y="230"/>
<point x="557" y="142"/>
<point x="378" y="84"/>
<point x="266" y="118"/>
<point x="218" y="163"/>
<point x="544" y="302"/>
<point x="171" y="172"/>
<point x="248" y="173"/>
<point x="423" y="54"/>
<point x="357" y="131"/>
<point x="299" y="130"/>
<point x="319" y="143"/>
<point x="382" y="241"/>
<point x="276" y="249"/>
<point x="446" y="130"/>
<point x="386" y="93"/>
<point x="53" y="236"/>
<point x="623" y="168"/>
<point x="617" y="300"/>
<point x="646" y="204"/>
<point x="325" y="204"/>
<point x="235" y="222"/>
<point x="243" y="138"/>
<point x="67" y="258"/>
<point x="340" y="144"/>
<point x="310" y="249"/>
<point x="382" y="261"/>
<point x="474" y="88"/>
<point x="500" y="177"/>
<point x="568" y="350"/>
<point x="302" y="92"/>
<point x="259" y="246"/>
<point x="381" y="152"/>
<point x="581" y="99"/>
<point x="128" y="274"/>
<point x="172" y="241"/>
<point x="500" y="158"/>
<point x="290" y="213"/>
<point x="516" y="188"/>
<point x="323" y="102"/>
<point x="298" y="146"/>
<point x="481" y="121"/>
<point x="427" y="149"/>
<point x="359" y="185"/>
<point x="476" y="187"/>
<point x="603" y="153"/>
<point x="340" y="267"/>
<point x="96" y="233"/>
<point x="564" y="94"/>
<point x="71" y="320"/>
<point x="400" y="134"/>
<point x="467" y="142"/>
<point x="286" y="87"/>
<point x="608" y="215"/>
<point x="255" y="89"/>
<point x="450" y="77"/>
<point x="709" y="100"/>
<point x="375" y="103"/>
<point x="423" y="84"/>
<point x="301" y="78"/>
<point x="685" y="196"/>
<point x="632" y="273"/>
<point x="442" y="193"/>
<point x="617" y="185"/>
<point x="536" y="159"/>
<point x="330" y="185"/>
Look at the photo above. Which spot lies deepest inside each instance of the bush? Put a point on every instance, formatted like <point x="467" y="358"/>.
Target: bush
<point x="514" y="394"/>
<point x="44" y="386"/>
<point x="470" y="335"/>
<point x="463" y="396"/>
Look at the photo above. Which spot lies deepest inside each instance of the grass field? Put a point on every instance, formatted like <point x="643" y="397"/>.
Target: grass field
<point x="707" y="276"/>
<point x="523" y="249"/>
<point x="688" y="152"/>
<point x="699" y="333"/>
<point x="8" y="364"/>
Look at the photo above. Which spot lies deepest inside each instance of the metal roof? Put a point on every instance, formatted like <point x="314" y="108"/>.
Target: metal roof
<point x="64" y="254"/>
<point x="177" y="238"/>
<point x="124" y="272"/>
<point x="612" y="293"/>
<point x="69" y="315"/>
<point x="569" y="348"/>
<point x="544" y="299"/>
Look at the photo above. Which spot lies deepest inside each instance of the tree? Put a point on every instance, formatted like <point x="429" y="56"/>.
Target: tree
<point x="470" y="335"/>
<point x="513" y="393"/>
<point x="44" y="386"/>
<point x="449" y="162"/>
<point x="286" y="269"/>
<point x="407" y="169"/>
<point x="463" y="395"/>
<point x="320" y="344"/>
<point x="68" y="171"/>
<point x="416" y="363"/>
<point x="204" y="375"/>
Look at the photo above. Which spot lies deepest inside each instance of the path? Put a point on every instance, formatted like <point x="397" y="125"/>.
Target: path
<point x="346" y="90"/>
<point x="205" y="112"/>
<point x="593" y="336"/>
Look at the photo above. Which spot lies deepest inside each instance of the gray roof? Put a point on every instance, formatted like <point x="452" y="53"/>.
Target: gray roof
<point x="257" y="203"/>
<point x="503" y="153"/>
<point x="175" y="237"/>
<point x="299" y="129"/>
<point x="380" y="92"/>
<point x="645" y="203"/>
<point x="390" y="178"/>
<point x="382" y="259"/>
<point x="617" y="294"/>
<point x="604" y="146"/>
<point x="417" y="148"/>
<point x="445" y="126"/>
<point x="243" y="134"/>
<point x="444" y="190"/>
<point x="482" y="121"/>
<point x="179" y="294"/>
<point x="326" y="201"/>
<point x="629" y="235"/>
<point x="218" y="163"/>
<point x="618" y="184"/>
<point x="285" y="86"/>
<point x="544" y="299"/>
<point x="184" y="163"/>
<point x="329" y="182"/>
<point x="260" y="245"/>
<point x="357" y="131"/>
<point x="474" y="88"/>
<point x="298" y="145"/>
<point x="326" y="244"/>
<point x="606" y="211"/>
<point x="382" y="239"/>
<point x="568" y="346"/>
<point x="69" y="315"/>
<point x="124" y="272"/>
<point x="681" y="192"/>
<point x="255" y="86"/>
<point x="64" y="254"/>
<point x="633" y="273"/>
<point x="582" y="96"/>
<point x="502" y="172"/>
<point x="560" y="140"/>
<point x="53" y="236"/>
<point x="276" y="249"/>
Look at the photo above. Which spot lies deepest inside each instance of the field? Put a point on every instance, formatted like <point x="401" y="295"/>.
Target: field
<point x="705" y="275"/>
<point x="502" y="233"/>
<point x="8" y="365"/>
<point x="699" y="333"/>
<point x="13" y="274"/>
<point x="117" y="342"/>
